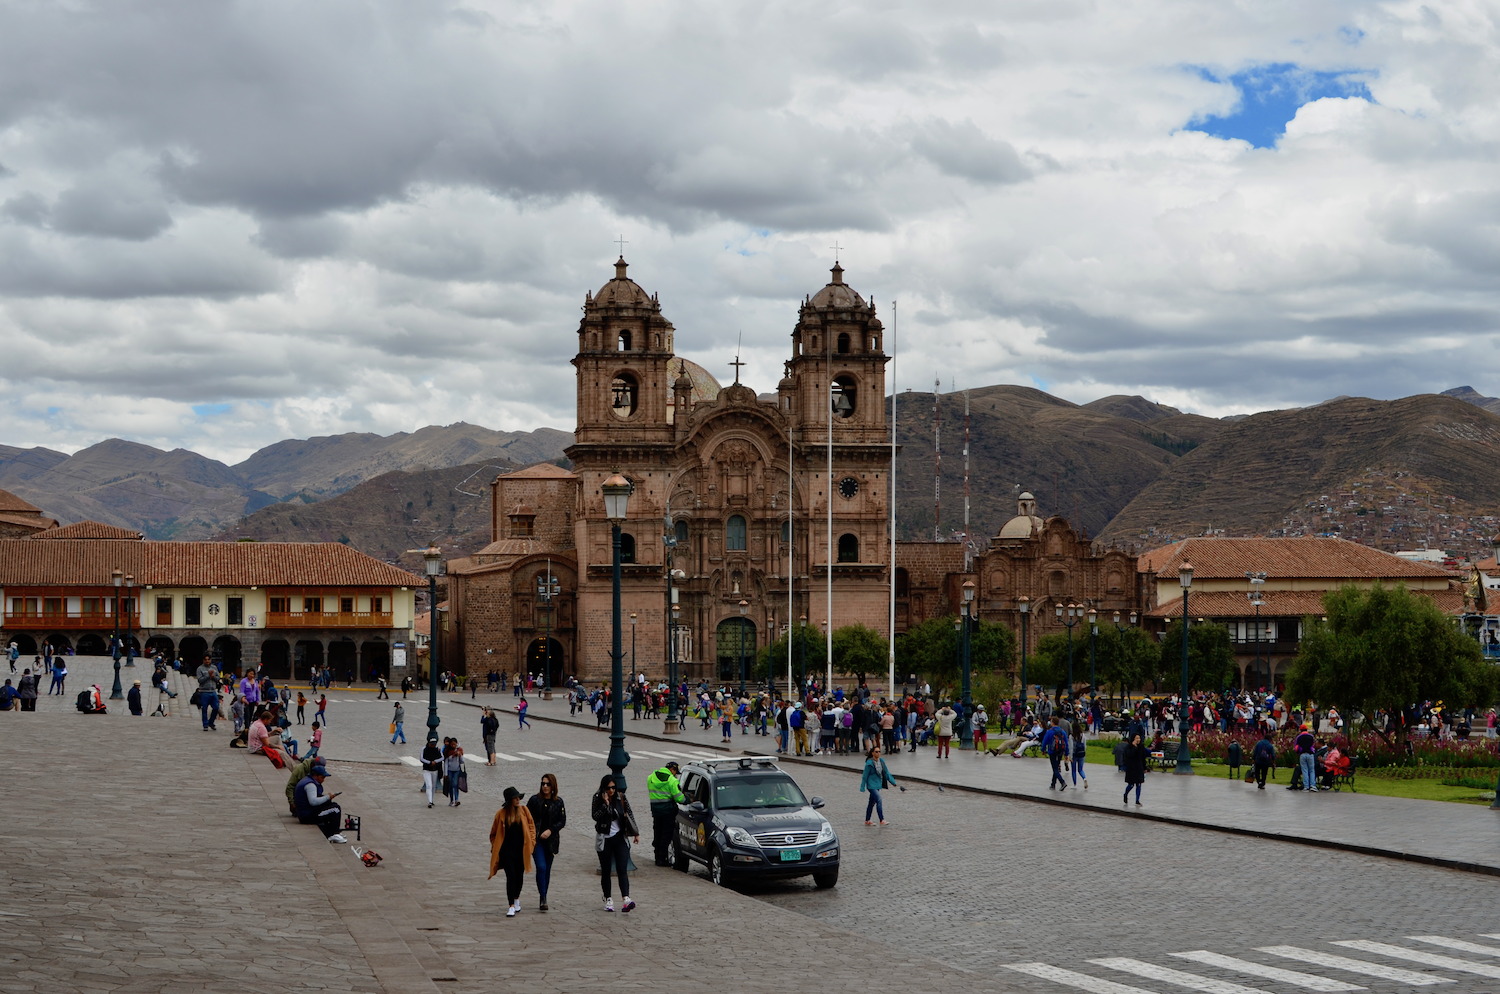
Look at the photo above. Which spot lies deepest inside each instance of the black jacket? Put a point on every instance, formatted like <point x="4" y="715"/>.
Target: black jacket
<point x="605" y="812"/>
<point x="1135" y="763"/>
<point x="548" y="815"/>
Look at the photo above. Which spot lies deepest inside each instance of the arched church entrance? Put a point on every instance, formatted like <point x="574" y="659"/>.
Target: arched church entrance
<point x="543" y="653"/>
<point x="736" y="640"/>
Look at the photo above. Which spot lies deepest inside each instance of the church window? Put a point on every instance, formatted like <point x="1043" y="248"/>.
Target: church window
<point x="815" y="343"/>
<point x="844" y="397"/>
<point x="843" y="345"/>
<point x="624" y="341"/>
<point x="656" y="341"/>
<point x="786" y="531"/>
<point x="735" y="537"/>
<point x="625" y="394"/>
<point x="848" y="549"/>
<point x="627" y="548"/>
<point x="903" y="582"/>
<point x="874" y="345"/>
<point x="680" y="532"/>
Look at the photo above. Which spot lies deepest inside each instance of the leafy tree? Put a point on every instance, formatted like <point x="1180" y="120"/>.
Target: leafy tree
<point x="1210" y="658"/>
<point x="802" y="638"/>
<point x="1124" y="658"/>
<point x="931" y="650"/>
<point x="1384" y="649"/>
<point x="860" y="651"/>
<point x="1048" y="665"/>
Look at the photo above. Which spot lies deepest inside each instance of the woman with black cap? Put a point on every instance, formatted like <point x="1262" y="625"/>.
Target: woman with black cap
<point x="512" y="838"/>
<point x="613" y="821"/>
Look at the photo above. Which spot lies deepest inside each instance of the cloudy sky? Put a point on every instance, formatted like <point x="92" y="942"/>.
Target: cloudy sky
<point x="222" y="224"/>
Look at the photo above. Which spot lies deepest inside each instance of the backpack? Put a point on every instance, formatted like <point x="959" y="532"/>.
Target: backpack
<point x="1059" y="744"/>
<point x="86" y="701"/>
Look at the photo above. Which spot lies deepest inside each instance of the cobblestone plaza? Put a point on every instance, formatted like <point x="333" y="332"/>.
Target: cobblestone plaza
<point x="142" y="854"/>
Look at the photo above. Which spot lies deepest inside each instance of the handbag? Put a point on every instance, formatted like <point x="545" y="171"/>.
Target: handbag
<point x="463" y="780"/>
<point x="195" y="698"/>
<point x="393" y="728"/>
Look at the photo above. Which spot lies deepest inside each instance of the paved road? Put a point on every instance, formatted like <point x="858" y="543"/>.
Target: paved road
<point x="961" y="892"/>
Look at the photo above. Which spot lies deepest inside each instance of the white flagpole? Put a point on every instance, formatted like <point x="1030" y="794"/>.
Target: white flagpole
<point x="892" y="630"/>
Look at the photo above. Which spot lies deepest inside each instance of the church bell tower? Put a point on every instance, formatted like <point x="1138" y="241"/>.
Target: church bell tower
<point x="624" y="351"/>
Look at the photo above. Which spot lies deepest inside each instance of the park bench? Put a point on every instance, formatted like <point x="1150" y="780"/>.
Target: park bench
<point x="1347" y="777"/>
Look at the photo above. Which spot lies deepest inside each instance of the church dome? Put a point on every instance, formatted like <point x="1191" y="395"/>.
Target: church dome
<point x="1026" y="522"/>
<point x="622" y="291"/>
<point x="837" y="295"/>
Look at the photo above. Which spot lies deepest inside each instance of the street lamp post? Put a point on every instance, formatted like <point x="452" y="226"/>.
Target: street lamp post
<point x="616" y="501"/>
<point x="118" y="693"/>
<point x="547" y="594"/>
<point x="802" y="663"/>
<point x="632" y="648"/>
<point x="744" y="609"/>
<point x="1184" y="757"/>
<point x="1124" y="691"/>
<point x="1257" y="581"/>
<point x="1093" y="648"/>
<point x="672" y="717"/>
<point x="1023" y="604"/>
<point x="432" y="563"/>
<point x="129" y="625"/>
<point x="828" y="686"/>
<point x="1069" y="614"/>
<point x="966" y="733"/>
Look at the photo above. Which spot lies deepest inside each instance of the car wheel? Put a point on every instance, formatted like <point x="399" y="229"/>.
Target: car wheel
<point x="716" y="868"/>
<point x="826" y="880"/>
<point x="676" y="858"/>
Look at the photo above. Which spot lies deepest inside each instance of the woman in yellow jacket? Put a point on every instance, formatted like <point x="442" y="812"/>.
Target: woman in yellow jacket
<point x="512" y="838"/>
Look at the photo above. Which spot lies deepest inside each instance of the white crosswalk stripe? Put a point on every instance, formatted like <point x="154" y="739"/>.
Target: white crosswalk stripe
<point x="1167" y="975"/>
<point x="563" y="755"/>
<point x="1070" y="978"/>
<point x="1307" y="981"/>
<point x="1359" y="966"/>
<point x="1459" y="944"/>
<point x="508" y="758"/>
<point x="595" y="755"/>
<point x="534" y="755"/>
<point x="654" y="755"/>
<point x="411" y="760"/>
<point x="1423" y="957"/>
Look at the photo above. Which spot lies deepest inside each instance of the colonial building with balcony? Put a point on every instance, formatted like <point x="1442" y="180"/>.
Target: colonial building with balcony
<point x="286" y="606"/>
<point x="1289" y="576"/>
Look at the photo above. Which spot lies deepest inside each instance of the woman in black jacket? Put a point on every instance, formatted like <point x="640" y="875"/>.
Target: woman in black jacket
<point x="549" y="815"/>
<point x="1135" y="768"/>
<point x="613" y="821"/>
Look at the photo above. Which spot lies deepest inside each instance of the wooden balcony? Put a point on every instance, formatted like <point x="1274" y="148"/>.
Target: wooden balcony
<point x="101" y="621"/>
<point x="329" y="619"/>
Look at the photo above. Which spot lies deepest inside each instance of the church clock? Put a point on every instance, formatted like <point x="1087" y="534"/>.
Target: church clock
<point x="848" y="486"/>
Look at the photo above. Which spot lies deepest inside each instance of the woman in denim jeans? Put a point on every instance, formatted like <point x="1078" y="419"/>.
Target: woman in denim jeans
<point x="453" y="764"/>
<point x="549" y="816"/>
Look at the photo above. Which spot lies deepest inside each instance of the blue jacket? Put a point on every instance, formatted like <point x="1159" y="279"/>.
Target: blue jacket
<point x="874" y="777"/>
<point x="1051" y="735"/>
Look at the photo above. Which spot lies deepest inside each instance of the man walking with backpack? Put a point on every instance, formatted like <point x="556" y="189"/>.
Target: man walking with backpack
<point x="1055" y="745"/>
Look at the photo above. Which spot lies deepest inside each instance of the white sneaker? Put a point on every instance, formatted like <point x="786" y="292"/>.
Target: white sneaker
<point x="517" y="905"/>
<point x="510" y="912"/>
<point x="627" y="906"/>
<point x="609" y="904"/>
<point x="337" y="840"/>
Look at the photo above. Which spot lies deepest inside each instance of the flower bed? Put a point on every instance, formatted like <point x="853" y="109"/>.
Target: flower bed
<point x="1372" y="750"/>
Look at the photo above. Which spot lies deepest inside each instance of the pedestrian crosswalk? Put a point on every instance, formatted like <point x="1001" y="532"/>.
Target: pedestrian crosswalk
<point x="1431" y="968"/>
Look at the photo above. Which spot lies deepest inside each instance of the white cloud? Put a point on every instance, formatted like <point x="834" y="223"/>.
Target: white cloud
<point x="374" y="216"/>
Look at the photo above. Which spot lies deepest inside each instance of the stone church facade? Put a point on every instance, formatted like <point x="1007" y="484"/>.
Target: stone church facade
<point x="739" y="486"/>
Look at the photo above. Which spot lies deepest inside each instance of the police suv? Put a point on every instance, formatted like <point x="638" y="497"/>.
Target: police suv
<point x="745" y="818"/>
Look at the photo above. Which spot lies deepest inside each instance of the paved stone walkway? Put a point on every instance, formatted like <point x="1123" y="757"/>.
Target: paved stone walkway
<point x="1460" y="836"/>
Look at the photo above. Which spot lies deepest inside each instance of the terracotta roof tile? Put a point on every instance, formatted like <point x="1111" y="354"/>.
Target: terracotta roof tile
<point x="91" y="529"/>
<point x="1281" y="603"/>
<point x="27" y="520"/>
<point x="11" y="504"/>
<point x="1232" y="558"/>
<point x="88" y="562"/>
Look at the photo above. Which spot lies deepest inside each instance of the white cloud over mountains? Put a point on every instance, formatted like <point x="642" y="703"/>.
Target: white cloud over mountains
<point x="226" y="223"/>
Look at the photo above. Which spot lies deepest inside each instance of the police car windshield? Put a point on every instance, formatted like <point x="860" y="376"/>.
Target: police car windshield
<point x="768" y="791"/>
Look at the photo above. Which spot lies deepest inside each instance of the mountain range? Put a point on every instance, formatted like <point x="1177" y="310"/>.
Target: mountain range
<point x="1124" y="468"/>
<point x="183" y="495"/>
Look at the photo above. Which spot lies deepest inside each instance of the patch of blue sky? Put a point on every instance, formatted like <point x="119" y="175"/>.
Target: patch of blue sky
<point x="210" y="410"/>
<point x="1269" y="97"/>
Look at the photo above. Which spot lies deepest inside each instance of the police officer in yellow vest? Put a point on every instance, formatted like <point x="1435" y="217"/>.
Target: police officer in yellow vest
<point x="665" y="794"/>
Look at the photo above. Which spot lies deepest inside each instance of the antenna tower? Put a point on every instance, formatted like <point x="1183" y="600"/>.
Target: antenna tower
<point x="968" y="553"/>
<point x="937" y="462"/>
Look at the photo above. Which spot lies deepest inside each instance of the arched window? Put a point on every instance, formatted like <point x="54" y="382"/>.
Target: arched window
<point x="735" y="537"/>
<point x="625" y="394"/>
<point x="786" y="531"/>
<point x="903" y="582"/>
<point x="845" y="396"/>
<point x="843" y="344"/>
<point x="624" y="341"/>
<point x="680" y="532"/>
<point x="848" y="549"/>
<point x="627" y="548"/>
